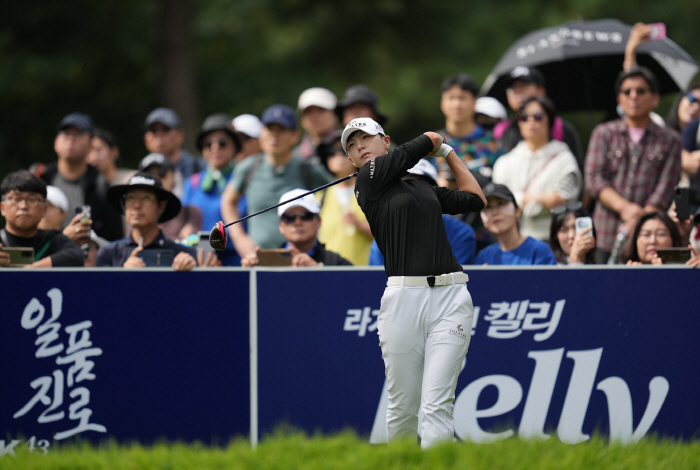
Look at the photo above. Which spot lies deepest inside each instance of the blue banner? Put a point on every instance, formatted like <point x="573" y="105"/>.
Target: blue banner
<point x="555" y="352"/>
<point x="134" y="355"/>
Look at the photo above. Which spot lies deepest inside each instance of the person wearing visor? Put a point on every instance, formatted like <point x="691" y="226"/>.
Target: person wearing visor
<point x="145" y="204"/>
<point x="299" y="224"/>
<point x="426" y="312"/>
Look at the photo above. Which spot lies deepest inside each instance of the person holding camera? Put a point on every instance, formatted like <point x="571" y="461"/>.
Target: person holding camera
<point x="145" y="203"/>
<point x="571" y="235"/>
<point x="23" y="205"/>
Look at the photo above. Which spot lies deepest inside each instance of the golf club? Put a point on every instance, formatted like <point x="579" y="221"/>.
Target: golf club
<point x="217" y="238"/>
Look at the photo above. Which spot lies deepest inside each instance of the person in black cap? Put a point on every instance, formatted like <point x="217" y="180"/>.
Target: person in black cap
<point x="82" y="183"/>
<point x="523" y="83"/>
<point x="145" y="204"/>
<point x="164" y="134"/>
<point x="500" y="217"/>
<point x="359" y="101"/>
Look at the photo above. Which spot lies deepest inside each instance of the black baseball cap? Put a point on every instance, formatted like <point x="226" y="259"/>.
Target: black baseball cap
<point x="500" y="191"/>
<point x="527" y="75"/>
<point x="165" y="116"/>
<point x="156" y="159"/>
<point x="80" y="121"/>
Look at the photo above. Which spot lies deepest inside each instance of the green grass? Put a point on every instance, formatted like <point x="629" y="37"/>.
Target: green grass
<point x="347" y="451"/>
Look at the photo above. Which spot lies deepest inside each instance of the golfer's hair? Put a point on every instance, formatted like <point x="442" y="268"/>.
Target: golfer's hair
<point x="549" y="109"/>
<point x="643" y="72"/>
<point x="25" y="181"/>
<point x="629" y="251"/>
<point x="462" y="80"/>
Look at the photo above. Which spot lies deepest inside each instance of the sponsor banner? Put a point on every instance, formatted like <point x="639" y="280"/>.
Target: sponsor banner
<point x="132" y="355"/>
<point x="554" y="352"/>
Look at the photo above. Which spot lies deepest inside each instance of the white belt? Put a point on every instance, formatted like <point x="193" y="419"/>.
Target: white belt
<point x="428" y="281"/>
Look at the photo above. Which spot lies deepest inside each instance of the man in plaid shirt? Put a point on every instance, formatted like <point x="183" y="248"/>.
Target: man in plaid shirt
<point x="632" y="164"/>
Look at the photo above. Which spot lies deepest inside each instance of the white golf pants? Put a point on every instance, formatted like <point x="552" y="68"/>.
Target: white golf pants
<point x="424" y="333"/>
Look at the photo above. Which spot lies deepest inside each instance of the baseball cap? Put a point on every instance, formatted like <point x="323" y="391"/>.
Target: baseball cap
<point x="248" y="124"/>
<point x="280" y="114"/>
<point x="308" y="202"/>
<point x="80" y="121"/>
<point x="367" y="125"/>
<point x="155" y="159"/>
<point x="57" y="198"/>
<point x="490" y="106"/>
<point x="317" y="96"/>
<point x="425" y="168"/>
<point x="165" y="116"/>
<point x="500" y="191"/>
<point x="360" y="94"/>
<point x="527" y="75"/>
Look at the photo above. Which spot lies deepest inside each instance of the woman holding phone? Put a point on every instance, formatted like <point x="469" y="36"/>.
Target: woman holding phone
<point x="570" y="243"/>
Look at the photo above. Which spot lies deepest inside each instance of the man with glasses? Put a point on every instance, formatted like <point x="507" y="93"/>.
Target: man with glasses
<point x="23" y="204"/>
<point x="299" y="222"/>
<point x="164" y="134"/>
<point x="632" y="165"/>
<point x="145" y="203"/>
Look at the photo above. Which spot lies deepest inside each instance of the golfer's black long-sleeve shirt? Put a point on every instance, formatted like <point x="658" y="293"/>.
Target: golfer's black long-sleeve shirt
<point x="406" y="215"/>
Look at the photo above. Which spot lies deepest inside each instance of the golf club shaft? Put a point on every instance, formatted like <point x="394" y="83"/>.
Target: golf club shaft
<point x="293" y="199"/>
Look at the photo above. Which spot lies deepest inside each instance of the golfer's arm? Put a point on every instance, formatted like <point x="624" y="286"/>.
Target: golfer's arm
<point x="229" y="210"/>
<point x="464" y="178"/>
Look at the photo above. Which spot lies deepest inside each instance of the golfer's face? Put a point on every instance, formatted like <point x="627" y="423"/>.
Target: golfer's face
<point x="363" y="147"/>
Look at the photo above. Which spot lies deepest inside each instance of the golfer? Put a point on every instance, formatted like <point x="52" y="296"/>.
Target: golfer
<point x="426" y="312"/>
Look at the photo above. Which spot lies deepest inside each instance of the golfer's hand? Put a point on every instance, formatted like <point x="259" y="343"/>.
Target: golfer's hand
<point x="300" y="259"/>
<point x="184" y="262"/>
<point x="208" y="260"/>
<point x="77" y="231"/>
<point x="133" y="261"/>
<point x="4" y="257"/>
<point x="251" y="259"/>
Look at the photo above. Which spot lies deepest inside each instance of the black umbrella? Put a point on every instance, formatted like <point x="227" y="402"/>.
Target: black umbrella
<point x="581" y="60"/>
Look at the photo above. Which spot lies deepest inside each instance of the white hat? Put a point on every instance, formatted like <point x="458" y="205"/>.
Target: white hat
<point x="57" y="198"/>
<point x="320" y="97"/>
<point x="248" y="124"/>
<point x="367" y="125"/>
<point x="490" y="106"/>
<point x="425" y="168"/>
<point x="308" y="202"/>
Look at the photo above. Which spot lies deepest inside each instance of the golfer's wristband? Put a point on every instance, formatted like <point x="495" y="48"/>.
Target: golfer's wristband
<point x="444" y="151"/>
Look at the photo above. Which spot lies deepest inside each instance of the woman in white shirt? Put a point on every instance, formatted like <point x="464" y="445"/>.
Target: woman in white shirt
<point x="541" y="172"/>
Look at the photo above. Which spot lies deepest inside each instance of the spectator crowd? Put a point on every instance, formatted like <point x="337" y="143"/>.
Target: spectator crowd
<point x="631" y="196"/>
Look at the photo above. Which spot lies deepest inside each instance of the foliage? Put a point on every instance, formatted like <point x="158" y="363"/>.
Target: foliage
<point x="103" y="57"/>
<point x="286" y="450"/>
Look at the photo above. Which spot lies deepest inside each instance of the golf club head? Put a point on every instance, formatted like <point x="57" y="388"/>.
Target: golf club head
<point x="217" y="237"/>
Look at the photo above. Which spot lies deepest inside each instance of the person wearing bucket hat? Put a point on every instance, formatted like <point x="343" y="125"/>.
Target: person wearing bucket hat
<point x="219" y="145"/>
<point x="426" y="311"/>
<point x="357" y="102"/>
<point x="500" y="217"/>
<point x="145" y="204"/>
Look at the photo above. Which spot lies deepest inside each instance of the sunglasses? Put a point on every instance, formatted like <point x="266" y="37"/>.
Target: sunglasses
<point x="569" y="207"/>
<point x="222" y="143"/>
<point x="640" y="91"/>
<point x="291" y="218"/>
<point x="692" y="98"/>
<point x="536" y="116"/>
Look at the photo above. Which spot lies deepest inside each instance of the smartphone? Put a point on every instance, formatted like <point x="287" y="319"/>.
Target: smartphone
<point x="674" y="255"/>
<point x="658" y="31"/>
<point x="157" y="258"/>
<point x="682" y="200"/>
<point x="19" y="256"/>
<point x="84" y="212"/>
<point x="277" y="257"/>
<point x="582" y="223"/>
<point x="204" y="242"/>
